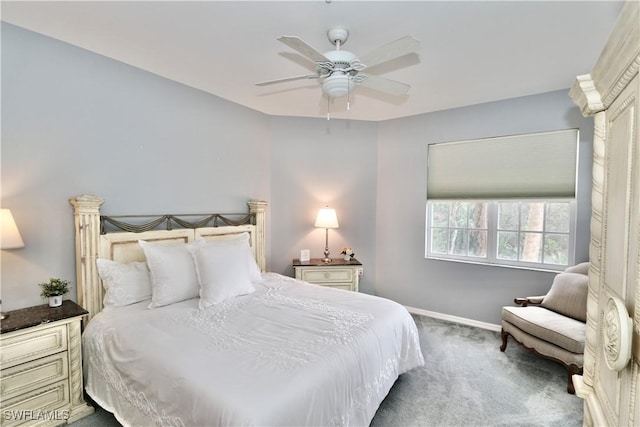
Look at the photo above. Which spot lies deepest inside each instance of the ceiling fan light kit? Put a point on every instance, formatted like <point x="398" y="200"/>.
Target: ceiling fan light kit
<point x="340" y="70"/>
<point x="338" y="85"/>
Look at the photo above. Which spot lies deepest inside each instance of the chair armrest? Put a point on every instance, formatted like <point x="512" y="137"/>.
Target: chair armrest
<point x="529" y="300"/>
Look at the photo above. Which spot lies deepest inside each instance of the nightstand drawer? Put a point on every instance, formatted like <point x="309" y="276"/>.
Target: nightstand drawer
<point x="32" y="375"/>
<point x="32" y="407"/>
<point x="328" y="275"/>
<point x="345" y="286"/>
<point x="23" y="347"/>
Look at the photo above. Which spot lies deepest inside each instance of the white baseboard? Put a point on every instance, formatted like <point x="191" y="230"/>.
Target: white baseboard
<point x="455" y="319"/>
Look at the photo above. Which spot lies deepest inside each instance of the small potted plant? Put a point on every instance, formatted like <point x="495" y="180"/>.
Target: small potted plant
<point x="54" y="289"/>
<point x="348" y="253"/>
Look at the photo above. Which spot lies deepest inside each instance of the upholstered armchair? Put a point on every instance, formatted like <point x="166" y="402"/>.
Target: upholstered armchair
<point x="553" y="325"/>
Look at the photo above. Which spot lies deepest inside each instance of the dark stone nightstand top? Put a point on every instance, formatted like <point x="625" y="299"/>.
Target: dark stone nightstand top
<point x="39" y="314"/>
<point x="318" y="262"/>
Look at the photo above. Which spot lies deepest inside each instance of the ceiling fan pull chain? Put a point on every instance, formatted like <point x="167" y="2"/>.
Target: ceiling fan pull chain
<point x="328" y="108"/>
<point x="348" y="92"/>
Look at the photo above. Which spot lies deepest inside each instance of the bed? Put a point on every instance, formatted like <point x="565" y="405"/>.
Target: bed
<point x="272" y="351"/>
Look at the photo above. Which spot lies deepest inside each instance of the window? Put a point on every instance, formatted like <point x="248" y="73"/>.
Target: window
<point x="531" y="233"/>
<point x="503" y="201"/>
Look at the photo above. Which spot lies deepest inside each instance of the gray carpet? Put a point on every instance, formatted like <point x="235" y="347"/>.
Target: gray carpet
<point x="466" y="381"/>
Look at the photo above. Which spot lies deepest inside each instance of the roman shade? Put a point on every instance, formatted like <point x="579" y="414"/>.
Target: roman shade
<point x="537" y="165"/>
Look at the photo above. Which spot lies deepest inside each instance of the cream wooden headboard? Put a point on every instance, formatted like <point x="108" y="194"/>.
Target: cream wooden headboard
<point x="92" y="243"/>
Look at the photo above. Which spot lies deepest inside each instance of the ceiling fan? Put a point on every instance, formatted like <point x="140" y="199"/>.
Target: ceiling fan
<point x="340" y="70"/>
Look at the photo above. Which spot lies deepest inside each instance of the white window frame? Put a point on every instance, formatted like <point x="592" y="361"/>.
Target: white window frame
<point x="492" y="237"/>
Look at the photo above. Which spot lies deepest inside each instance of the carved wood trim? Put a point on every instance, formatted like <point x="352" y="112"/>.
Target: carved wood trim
<point x="258" y="208"/>
<point x="87" y="232"/>
<point x="618" y="63"/>
<point x="595" y="245"/>
<point x="79" y="408"/>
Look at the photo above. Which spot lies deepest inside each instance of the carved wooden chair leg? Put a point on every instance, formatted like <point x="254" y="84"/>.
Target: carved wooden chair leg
<point x="571" y="371"/>
<point x="504" y="335"/>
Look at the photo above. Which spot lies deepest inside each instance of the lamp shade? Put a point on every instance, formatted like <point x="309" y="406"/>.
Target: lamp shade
<point x="327" y="218"/>
<point x="9" y="235"/>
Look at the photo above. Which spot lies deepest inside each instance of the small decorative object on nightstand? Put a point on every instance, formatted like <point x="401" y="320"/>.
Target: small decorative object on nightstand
<point x="54" y="289"/>
<point x="348" y="254"/>
<point x="41" y="361"/>
<point x="339" y="273"/>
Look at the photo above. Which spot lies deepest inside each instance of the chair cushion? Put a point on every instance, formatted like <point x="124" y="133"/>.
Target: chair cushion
<point x="548" y="325"/>
<point x="568" y="295"/>
<point x="582" y="268"/>
<point x="543" y="347"/>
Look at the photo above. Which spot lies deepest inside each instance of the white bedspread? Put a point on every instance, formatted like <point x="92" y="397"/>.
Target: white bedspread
<point x="289" y="354"/>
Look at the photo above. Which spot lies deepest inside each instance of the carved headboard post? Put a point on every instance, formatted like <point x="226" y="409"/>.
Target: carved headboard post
<point x="258" y="207"/>
<point x="87" y="231"/>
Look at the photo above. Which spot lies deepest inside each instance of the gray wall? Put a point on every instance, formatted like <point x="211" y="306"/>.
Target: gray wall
<point x="74" y="122"/>
<point x="464" y="290"/>
<point x="315" y="162"/>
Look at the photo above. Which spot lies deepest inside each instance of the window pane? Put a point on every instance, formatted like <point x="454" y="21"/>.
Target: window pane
<point x="531" y="216"/>
<point x="557" y="218"/>
<point x="556" y="249"/>
<point x="508" y="216"/>
<point x="439" y="240"/>
<point x="507" y="245"/>
<point x="478" y="243"/>
<point x="531" y="247"/>
<point x="458" y="216"/>
<point x="458" y="239"/>
<point x="440" y="215"/>
<point x="478" y="212"/>
<point x="511" y="233"/>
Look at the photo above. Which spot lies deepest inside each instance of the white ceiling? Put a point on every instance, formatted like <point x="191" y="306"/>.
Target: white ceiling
<point x="471" y="52"/>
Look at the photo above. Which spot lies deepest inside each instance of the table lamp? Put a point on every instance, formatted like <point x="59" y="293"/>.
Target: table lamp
<point x="327" y="219"/>
<point x="9" y="237"/>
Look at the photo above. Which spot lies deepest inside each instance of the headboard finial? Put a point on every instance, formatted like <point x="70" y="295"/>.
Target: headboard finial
<point x="86" y="203"/>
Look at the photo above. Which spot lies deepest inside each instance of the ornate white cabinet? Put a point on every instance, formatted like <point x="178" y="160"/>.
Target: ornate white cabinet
<point x="611" y="94"/>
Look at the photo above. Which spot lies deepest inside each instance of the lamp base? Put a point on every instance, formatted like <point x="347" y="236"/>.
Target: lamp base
<point x="326" y="258"/>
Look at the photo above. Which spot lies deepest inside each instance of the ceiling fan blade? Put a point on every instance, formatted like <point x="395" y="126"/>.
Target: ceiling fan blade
<point x="383" y="84"/>
<point x="389" y="51"/>
<point x="288" y="79"/>
<point x="299" y="45"/>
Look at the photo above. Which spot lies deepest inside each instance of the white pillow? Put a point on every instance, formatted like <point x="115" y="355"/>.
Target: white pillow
<point x="254" y="270"/>
<point x="222" y="269"/>
<point x="173" y="274"/>
<point x="124" y="284"/>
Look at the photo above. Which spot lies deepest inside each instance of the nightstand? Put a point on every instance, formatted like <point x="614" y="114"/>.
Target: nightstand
<point x="41" y="366"/>
<point x="338" y="273"/>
